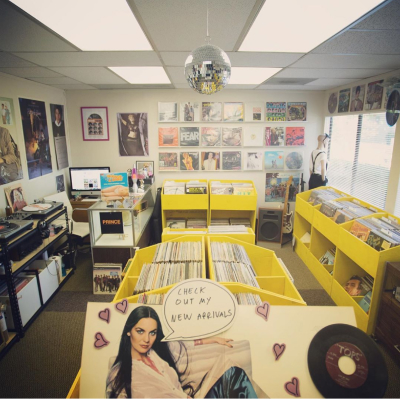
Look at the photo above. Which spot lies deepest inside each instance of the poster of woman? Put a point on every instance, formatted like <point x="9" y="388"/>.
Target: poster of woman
<point x="15" y="197"/>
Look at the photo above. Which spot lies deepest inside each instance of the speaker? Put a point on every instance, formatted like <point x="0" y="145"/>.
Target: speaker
<point x="269" y="225"/>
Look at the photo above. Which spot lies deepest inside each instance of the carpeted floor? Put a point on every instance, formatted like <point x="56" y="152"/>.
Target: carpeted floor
<point x="45" y="362"/>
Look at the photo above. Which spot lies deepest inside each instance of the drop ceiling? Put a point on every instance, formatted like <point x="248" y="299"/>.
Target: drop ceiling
<point x="368" y="47"/>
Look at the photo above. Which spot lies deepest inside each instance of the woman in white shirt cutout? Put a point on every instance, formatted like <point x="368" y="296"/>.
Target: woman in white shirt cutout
<point x="147" y="368"/>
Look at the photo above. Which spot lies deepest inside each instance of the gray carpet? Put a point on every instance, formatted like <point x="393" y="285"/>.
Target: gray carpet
<point x="45" y="362"/>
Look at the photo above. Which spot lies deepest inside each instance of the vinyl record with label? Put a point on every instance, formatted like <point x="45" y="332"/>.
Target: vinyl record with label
<point x="367" y="379"/>
<point x="393" y="108"/>
<point x="332" y="103"/>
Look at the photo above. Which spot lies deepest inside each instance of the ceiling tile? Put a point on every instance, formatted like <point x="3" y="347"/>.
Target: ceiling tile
<point x="362" y="42"/>
<point x="288" y="81"/>
<point x="241" y="87"/>
<point x="330" y="73"/>
<point x="90" y="75"/>
<point x="182" y="86"/>
<point x="294" y="87"/>
<point x="75" y="87"/>
<point x="34" y="72"/>
<point x="386" y="17"/>
<point x="331" y="82"/>
<point x="177" y="25"/>
<point x="20" y="33"/>
<point x="56" y="81"/>
<point x="9" y="61"/>
<point x="348" y="61"/>
<point x="174" y="58"/>
<point x="129" y="86"/>
<point x="93" y="58"/>
<point x="176" y="74"/>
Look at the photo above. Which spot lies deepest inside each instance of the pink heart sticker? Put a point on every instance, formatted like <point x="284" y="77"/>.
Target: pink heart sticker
<point x="263" y="310"/>
<point x="292" y="387"/>
<point x="278" y="350"/>
<point x="100" y="341"/>
<point x="105" y="315"/>
<point x="122" y="306"/>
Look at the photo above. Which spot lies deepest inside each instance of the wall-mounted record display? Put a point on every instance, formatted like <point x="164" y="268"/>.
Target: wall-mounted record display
<point x="393" y="108"/>
<point x="329" y="345"/>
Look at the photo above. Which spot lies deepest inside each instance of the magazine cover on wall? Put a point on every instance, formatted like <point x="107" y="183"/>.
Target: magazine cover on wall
<point x="233" y="112"/>
<point x="275" y="112"/>
<point x="253" y="160"/>
<point x="253" y="112"/>
<point x="275" y="187"/>
<point x="210" y="136"/>
<point x="232" y="136"/>
<point x="167" y="112"/>
<point x="10" y="160"/>
<point x="253" y="136"/>
<point x="60" y="183"/>
<point x="344" y="100"/>
<point x="332" y="103"/>
<point x="373" y="99"/>
<point x="95" y="123"/>
<point x="189" y="136"/>
<point x="232" y="160"/>
<point x="357" y="98"/>
<point x="274" y="136"/>
<point x="15" y="197"/>
<point x="189" y="161"/>
<point x="211" y="112"/>
<point x="168" y="137"/>
<point x="133" y="137"/>
<point x="210" y="160"/>
<point x="295" y="136"/>
<point x="36" y="136"/>
<point x="294" y="160"/>
<point x="273" y="159"/>
<point x="190" y="112"/>
<point x="168" y="161"/>
<point x="60" y="141"/>
<point x="296" y="112"/>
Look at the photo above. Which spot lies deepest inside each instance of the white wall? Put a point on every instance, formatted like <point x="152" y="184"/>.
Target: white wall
<point x="13" y="87"/>
<point x="86" y="153"/>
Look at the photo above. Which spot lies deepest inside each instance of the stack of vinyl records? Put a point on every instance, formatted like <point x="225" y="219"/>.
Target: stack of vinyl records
<point x="248" y="299"/>
<point x="329" y="257"/>
<point x="237" y="221"/>
<point x="219" y="222"/>
<point x="218" y="188"/>
<point x="176" y="223"/>
<point x="172" y="187"/>
<point x="317" y="196"/>
<point x="153" y="299"/>
<point x="344" y="211"/>
<point x="243" y="189"/>
<point x="196" y="224"/>
<point x="227" y="229"/>
<point x="380" y="234"/>
<point x="172" y="251"/>
<point x="195" y="187"/>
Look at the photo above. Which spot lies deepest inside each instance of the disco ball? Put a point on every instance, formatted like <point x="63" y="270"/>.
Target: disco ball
<point x="207" y="69"/>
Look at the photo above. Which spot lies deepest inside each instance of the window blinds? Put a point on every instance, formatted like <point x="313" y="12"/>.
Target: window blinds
<point x="360" y="155"/>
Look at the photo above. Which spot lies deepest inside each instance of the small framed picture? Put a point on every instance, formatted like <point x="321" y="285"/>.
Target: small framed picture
<point x="15" y="197"/>
<point x="95" y="123"/>
<point x="145" y="169"/>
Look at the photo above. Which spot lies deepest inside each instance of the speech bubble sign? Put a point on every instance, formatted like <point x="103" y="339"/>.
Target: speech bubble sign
<point x="198" y="308"/>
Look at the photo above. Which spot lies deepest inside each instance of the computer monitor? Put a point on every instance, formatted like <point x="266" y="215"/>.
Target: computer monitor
<point x="86" y="180"/>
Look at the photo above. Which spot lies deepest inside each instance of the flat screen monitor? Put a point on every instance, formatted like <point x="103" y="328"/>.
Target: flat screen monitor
<point x="86" y="180"/>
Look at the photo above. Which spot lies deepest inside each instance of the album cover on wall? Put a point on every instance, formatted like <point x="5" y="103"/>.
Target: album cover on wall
<point x="274" y="136"/>
<point x="189" y="136"/>
<point x="167" y="112"/>
<point x="232" y="136"/>
<point x="276" y="184"/>
<point x="296" y="111"/>
<point x="168" y="137"/>
<point x="190" y="112"/>
<point x="253" y="136"/>
<point x="373" y="99"/>
<point x="253" y="160"/>
<point x="231" y="160"/>
<point x="211" y="112"/>
<point x="189" y="161"/>
<point x="294" y="160"/>
<point x="344" y="100"/>
<point x="210" y="136"/>
<point x="275" y="112"/>
<point x="273" y="159"/>
<point x="168" y="161"/>
<point x="357" y="98"/>
<point x="294" y="136"/>
<point x="253" y="112"/>
<point x="210" y="160"/>
<point x="233" y="112"/>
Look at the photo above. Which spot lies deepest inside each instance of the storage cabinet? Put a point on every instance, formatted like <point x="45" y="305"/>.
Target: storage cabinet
<point x="47" y="272"/>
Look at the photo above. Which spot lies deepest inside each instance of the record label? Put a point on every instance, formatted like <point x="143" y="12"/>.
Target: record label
<point x="335" y="352"/>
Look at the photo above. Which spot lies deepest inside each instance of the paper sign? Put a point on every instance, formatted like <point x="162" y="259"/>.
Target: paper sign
<point x="198" y="308"/>
<point x="114" y="186"/>
<point x="111" y="223"/>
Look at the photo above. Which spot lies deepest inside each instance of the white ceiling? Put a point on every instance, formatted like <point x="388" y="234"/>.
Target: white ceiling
<point x="369" y="47"/>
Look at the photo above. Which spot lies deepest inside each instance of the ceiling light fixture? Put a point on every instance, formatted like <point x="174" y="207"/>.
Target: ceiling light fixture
<point x="142" y="75"/>
<point x="207" y="68"/>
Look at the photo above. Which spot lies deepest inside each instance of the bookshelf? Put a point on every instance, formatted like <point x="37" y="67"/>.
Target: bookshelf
<point x="185" y="206"/>
<point x="233" y="206"/>
<point x="353" y="256"/>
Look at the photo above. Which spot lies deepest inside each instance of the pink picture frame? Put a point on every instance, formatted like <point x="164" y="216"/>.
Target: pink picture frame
<point x="95" y="124"/>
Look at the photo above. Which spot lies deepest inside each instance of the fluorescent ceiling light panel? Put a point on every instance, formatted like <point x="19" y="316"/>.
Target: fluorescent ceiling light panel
<point x="295" y="26"/>
<point x="142" y="75"/>
<point x="91" y="25"/>
<point x="242" y="75"/>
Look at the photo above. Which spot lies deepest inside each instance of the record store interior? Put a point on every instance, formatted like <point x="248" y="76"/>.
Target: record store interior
<point x="136" y="261"/>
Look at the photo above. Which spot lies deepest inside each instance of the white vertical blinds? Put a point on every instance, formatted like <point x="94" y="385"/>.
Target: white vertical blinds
<point x="360" y="155"/>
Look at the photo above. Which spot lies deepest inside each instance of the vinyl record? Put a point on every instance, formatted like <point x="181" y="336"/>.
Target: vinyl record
<point x="370" y="378"/>
<point x="332" y="103"/>
<point x="393" y="108"/>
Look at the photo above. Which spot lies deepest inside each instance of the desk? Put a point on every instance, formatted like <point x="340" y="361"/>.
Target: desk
<point x="81" y="204"/>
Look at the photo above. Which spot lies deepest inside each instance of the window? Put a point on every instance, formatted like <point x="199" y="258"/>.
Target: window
<point x="360" y="155"/>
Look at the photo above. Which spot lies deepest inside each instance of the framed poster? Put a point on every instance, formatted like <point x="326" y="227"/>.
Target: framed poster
<point x="253" y="136"/>
<point x="296" y="112"/>
<point x="273" y="159"/>
<point x="144" y="169"/>
<point x="253" y="160"/>
<point x="133" y="137"/>
<point x="232" y="136"/>
<point x="294" y="136"/>
<point x="233" y="112"/>
<point x="211" y="112"/>
<point x="189" y="136"/>
<point x="210" y="160"/>
<point x="168" y="161"/>
<point x="95" y="123"/>
<point x="167" y="112"/>
<point x="168" y="137"/>
<point x="275" y="112"/>
<point x="232" y="160"/>
<point x="210" y="136"/>
<point x="190" y="112"/>
<point x="189" y="161"/>
<point x="253" y="112"/>
<point x="274" y="136"/>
